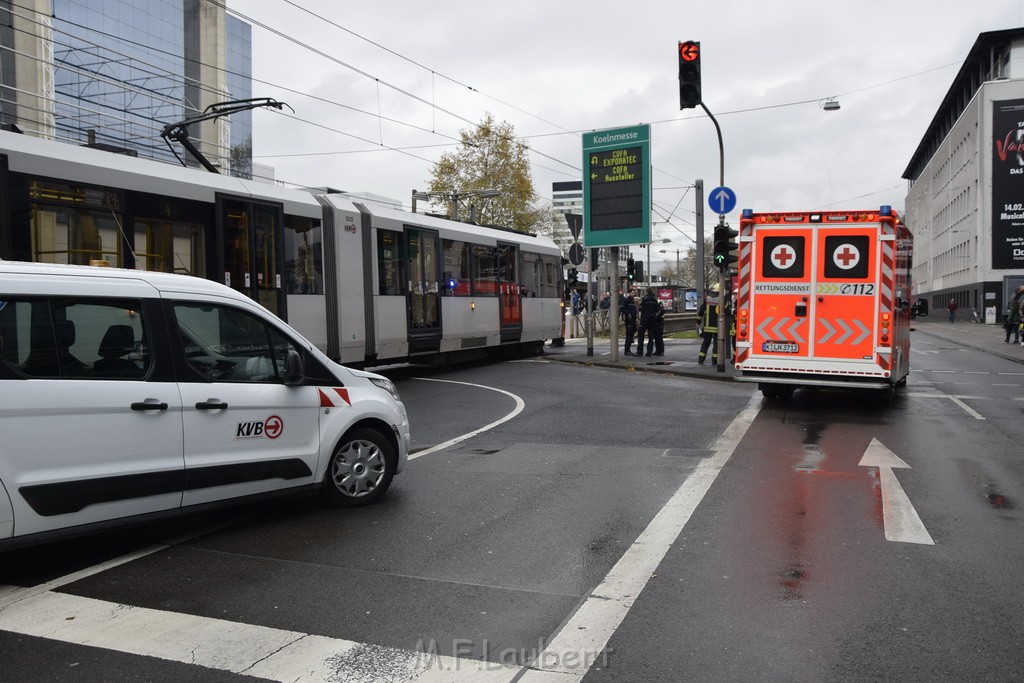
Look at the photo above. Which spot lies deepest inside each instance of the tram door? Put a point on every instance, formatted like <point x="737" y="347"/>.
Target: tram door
<point x="510" y="293"/>
<point x="250" y="245"/>
<point x="424" y="304"/>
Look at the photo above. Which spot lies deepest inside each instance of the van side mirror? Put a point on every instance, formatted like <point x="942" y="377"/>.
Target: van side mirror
<point x="294" y="370"/>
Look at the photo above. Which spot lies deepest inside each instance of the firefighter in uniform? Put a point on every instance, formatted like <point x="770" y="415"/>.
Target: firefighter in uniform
<point x="708" y="316"/>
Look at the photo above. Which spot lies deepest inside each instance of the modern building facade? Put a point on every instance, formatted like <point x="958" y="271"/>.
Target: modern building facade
<point x="965" y="204"/>
<point x="113" y="73"/>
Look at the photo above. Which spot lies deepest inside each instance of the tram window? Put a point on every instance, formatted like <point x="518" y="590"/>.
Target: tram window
<point x="75" y="224"/>
<point x="170" y="246"/>
<point x="390" y="264"/>
<point x="533" y="272"/>
<point x="303" y="255"/>
<point x="456" y="269"/>
<point x="485" y="270"/>
<point x="549" y="279"/>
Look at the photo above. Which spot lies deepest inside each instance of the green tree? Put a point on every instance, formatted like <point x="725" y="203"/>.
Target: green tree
<point x="489" y="157"/>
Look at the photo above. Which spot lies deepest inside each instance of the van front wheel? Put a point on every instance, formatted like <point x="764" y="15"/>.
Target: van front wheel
<point x="360" y="470"/>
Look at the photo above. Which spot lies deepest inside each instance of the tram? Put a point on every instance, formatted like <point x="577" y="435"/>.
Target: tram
<point x="369" y="284"/>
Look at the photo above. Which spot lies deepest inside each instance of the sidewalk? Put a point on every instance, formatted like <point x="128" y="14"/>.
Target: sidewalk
<point x="681" y="354"/>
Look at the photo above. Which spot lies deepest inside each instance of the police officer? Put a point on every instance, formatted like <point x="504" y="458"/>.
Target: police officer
<point x="708" y="315"/>
<point x="628" y="313"/>
<point x="649" y="307"/>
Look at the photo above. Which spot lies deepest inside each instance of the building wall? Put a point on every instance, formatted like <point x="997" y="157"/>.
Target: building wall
<point x="950" y="207"/>
<point x="116" y="72"/>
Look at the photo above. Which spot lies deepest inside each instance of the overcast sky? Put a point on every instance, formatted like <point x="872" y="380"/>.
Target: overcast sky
<point x="382" y="93"/>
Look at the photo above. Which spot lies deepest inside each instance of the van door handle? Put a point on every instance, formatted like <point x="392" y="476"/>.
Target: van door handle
<point x="212" y="404"/>
<point x="149" y="405"/>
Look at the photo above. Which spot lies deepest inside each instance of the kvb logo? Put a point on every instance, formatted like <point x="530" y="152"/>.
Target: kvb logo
<point x="270" y="428"/>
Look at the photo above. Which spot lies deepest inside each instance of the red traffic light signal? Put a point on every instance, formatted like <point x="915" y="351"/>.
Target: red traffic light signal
<point x="689" y="74"/>
<point x="689" y="51"/>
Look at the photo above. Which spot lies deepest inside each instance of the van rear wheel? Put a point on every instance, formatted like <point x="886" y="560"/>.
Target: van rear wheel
<point x="360" y="470"/>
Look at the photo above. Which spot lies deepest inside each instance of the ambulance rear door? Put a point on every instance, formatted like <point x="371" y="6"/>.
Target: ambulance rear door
<point x="781" y="293"/>
<point x="845" y="291"/>
<point x="814" y="294"/>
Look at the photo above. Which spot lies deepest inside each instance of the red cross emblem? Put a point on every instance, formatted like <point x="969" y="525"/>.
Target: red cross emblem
<point x="846" y="256"/>
<point x="783" y="257"/>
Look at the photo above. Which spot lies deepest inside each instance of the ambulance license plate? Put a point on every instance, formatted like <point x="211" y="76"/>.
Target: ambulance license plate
<point x="780" y="347"/>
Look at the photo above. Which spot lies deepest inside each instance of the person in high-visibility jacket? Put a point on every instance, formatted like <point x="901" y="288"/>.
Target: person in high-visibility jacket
<point x="708" y="316"/>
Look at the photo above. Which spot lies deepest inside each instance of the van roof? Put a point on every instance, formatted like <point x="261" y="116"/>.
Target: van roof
<point x="165" y="282"/>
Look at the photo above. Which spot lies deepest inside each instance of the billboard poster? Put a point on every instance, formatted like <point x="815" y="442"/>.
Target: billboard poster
<point x="1008" y="184"/>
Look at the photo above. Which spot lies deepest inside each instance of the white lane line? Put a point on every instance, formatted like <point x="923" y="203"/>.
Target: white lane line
<point x="269" y="653"/>
<point x="520" y="404"/>
<point x="970" y="411"/>
<point x="975" y="372"/>
<point x="582" y="638"/>
<point x="957" y="400"/>
<point x="12" y="594"/>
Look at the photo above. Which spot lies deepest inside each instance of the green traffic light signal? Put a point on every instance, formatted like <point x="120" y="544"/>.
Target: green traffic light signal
<point x="724" y="246"/>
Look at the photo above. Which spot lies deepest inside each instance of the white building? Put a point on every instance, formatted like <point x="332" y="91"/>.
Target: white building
<point x="965" y="204"/>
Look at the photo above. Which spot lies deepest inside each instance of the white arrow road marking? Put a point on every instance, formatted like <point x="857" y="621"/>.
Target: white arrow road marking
<point x="899" y="517"/>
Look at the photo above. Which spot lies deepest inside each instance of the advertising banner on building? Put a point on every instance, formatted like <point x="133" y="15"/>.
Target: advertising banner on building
<point x="1008" y="184"/>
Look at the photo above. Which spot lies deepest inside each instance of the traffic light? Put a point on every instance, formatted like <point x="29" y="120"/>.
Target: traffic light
<point x="574" y="277"/>
<point x="689" y="74"/>
<point x="630" y="269"/>
<point x="724" y="246"/>
<point x="638" y="270"/>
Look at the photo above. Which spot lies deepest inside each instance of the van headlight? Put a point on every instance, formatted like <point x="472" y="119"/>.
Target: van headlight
<point x="387" y="385"/>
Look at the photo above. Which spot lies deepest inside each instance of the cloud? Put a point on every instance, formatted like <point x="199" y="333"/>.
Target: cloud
<point x="557" y="69"/>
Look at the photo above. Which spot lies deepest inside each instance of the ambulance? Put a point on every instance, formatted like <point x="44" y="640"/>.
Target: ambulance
<point x="823" y="299"/>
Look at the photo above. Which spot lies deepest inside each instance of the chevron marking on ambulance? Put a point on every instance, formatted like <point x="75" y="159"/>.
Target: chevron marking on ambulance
<point x="794" y="335"/>
<point x="777" y="331"/>
<point x="863" y="330"/>
<point x="761" y="328"/>
<point x="831" y="330"/>
<point x="827" y="288"/>
<point x="847" y="331"/>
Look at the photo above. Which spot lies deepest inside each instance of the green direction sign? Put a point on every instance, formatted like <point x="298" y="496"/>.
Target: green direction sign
<point x="617" y="187"/>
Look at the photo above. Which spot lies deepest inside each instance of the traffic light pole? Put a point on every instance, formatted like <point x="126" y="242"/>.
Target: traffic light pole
<point x="723" y="288"/>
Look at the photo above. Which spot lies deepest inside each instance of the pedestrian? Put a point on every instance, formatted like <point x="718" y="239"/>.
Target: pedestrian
<point x="628" y="313"/>
<point x="1012" y="323"/>
<point x="707" y="314"/>
<point x="659" y="331"/>
<point x="951" y="307"/>
<point x="603" y="308"/>
<point x="648" y="312"/>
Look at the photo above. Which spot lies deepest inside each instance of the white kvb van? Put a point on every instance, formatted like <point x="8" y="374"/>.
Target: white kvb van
<point x="128" y="394"/>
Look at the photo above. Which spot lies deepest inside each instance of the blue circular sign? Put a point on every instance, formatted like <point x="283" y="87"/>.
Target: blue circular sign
<point x="722" y="200"/>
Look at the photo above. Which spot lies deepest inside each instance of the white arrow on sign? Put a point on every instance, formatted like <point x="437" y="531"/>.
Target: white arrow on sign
<point x="724" y="199"/>
<point x="899" y="517"/>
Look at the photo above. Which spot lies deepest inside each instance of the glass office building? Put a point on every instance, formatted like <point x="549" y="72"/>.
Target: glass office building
<point x="123" y="69"/>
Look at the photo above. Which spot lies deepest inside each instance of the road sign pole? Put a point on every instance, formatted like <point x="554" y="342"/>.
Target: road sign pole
<point x="591" y="276"/>
<point x="613" y="310"/>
